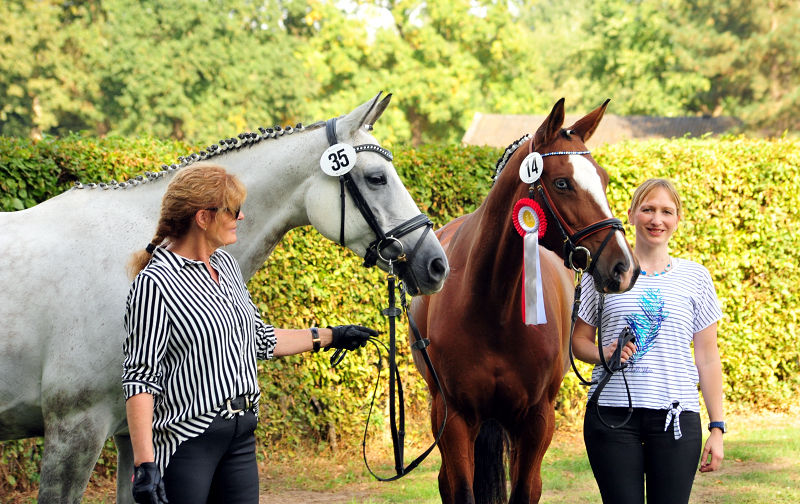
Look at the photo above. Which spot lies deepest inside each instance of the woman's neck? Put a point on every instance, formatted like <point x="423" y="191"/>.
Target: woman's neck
<point x="194" y="245"/>
<point x="652" y="258"/>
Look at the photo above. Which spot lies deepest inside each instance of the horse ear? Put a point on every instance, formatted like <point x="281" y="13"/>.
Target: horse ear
<point x="551" y="126"/>
<point x="366" y="114"/>
<point x="587" y="125"/>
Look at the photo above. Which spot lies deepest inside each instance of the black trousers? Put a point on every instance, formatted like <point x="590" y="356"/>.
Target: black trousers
<point x="218" y="466"/>
<point x="641" y="453"/>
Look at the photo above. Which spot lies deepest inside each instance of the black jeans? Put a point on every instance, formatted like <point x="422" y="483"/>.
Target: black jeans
<point x="623" y="458"/>
<point x="218" y="466"/>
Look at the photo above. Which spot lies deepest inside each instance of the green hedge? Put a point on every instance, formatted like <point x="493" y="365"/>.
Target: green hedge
<point x="741" y="200"/>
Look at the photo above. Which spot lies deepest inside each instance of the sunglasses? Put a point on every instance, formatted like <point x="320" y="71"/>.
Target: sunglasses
<point x="233" y="211"/>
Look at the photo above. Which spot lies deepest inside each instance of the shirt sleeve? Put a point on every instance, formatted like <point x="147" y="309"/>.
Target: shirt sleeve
<point x="147" y="327"/>
<point x="265" y="336"/>
<point x="588" y="309"/>
<point x="706" y="306"/>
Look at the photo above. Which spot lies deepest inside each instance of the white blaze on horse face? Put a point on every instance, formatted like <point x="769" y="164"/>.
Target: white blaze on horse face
<point x="585" y="175"/>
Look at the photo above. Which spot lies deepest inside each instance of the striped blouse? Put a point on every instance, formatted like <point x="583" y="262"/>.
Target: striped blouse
<point x="192" y="344"/>
<point x="664" y="312"/>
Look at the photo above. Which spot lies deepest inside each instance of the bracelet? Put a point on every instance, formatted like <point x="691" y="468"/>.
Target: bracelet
<point x="315" y="338"/>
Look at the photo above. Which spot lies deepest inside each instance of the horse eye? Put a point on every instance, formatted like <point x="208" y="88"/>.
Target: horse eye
<point x="376" y="179"/>
<point x="561" y="184"/>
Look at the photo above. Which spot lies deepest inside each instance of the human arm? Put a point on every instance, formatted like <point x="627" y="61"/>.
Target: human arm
<point x="346" y="337"/>
<point x="295" y="341"/>
<point x="139" y="409"/>
<point x="585" y="349"/>
<point x="709" y="368"/>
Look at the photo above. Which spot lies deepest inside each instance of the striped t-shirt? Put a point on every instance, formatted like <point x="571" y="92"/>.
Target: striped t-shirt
<point x="192" y="344"/>
<point x="664" y="312"/>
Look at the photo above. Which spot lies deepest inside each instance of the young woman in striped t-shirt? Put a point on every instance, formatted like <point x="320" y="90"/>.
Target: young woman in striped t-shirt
<point x="194" y="334"/>
<point x="672" y="306"/>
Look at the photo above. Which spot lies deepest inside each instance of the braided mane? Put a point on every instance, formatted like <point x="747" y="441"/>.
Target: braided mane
<point x="503" y="160"/>
<point x="227" y="145"/>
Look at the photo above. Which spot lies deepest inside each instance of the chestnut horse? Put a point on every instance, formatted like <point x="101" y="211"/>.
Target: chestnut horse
<point x="496" y="370"/>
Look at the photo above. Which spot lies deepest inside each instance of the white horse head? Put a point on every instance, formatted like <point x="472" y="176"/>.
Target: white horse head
<point x="295" y="188"/>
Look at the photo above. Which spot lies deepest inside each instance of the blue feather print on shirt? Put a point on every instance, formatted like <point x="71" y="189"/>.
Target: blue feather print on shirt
<point x="647" y="325"/>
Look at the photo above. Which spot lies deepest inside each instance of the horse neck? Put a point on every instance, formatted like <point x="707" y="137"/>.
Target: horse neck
<point x="277" y="174"/>
<point x="495" y="257"/>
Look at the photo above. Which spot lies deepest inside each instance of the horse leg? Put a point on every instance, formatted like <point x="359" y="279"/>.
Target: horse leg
<point x="531" y="439"/>
<point x="72" y="446"/>
<point x="458" y="463"/>
<point x="124" y="468"/>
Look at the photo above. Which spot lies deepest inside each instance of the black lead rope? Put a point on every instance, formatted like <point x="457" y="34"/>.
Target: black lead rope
<point x="397" y="416"/>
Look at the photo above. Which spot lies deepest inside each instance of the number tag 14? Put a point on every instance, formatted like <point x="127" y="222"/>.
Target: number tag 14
<point x="531" y="168"/>
<point x="338" y="159"/>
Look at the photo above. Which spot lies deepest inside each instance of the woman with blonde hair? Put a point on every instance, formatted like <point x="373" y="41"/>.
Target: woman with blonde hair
<point x="672" y="306"/>
<point x="194" y="334"/>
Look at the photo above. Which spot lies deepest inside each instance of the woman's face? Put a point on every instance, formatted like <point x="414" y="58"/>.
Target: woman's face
<point x="655" y="219"/>
<point x="222" y="230"/>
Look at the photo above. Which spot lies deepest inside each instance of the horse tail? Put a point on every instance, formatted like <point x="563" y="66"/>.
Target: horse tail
<point x="491" y="450"/>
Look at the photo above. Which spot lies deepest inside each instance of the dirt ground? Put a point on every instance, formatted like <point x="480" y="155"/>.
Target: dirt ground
<point x="341" y="496"/>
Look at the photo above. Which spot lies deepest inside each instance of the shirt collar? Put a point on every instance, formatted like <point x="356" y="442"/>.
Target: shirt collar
<point x="177" y="262"/>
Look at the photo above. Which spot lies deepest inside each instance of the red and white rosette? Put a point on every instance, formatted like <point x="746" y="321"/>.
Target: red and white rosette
<point x="530" y="223"/>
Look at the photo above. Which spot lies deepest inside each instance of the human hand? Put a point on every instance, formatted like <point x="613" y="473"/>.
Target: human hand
<point x="627" y="351"/>
<point x="713" y="448"/>
<point x="350" y="337"/>
<point x="147" y="485"/>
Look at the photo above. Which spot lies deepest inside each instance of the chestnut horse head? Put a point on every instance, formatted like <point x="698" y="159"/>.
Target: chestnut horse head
<point x="572" y="192"/>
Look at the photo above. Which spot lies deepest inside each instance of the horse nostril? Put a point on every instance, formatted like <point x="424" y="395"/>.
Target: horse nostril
<point x="619" y="270"/>
<point x="437" y="269"/>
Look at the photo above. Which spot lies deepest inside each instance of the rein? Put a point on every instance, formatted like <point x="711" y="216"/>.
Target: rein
<point x="373" y="253"/>
<point x="609" y="367"/>
<point x="571" y="240"/>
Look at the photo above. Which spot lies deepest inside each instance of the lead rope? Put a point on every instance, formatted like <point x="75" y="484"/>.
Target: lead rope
<point x="397" y="421"/>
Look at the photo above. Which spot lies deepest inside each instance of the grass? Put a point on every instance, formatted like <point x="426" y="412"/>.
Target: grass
<point x="762" y="465"/>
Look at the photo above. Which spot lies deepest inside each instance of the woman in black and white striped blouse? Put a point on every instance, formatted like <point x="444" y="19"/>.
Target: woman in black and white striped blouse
<point x="194" y="334"/>
<point x="672" y="306"/>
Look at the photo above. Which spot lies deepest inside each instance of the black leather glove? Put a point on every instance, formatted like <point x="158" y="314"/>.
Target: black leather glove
<point x="350" y="337"/>
<point x="147" y="485"/>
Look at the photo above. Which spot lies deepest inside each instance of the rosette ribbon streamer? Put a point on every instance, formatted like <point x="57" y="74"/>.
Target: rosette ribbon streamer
<point x="530" y="223"/>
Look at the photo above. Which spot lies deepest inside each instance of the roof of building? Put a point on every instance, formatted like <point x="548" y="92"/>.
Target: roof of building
<point x="499" y="130"/>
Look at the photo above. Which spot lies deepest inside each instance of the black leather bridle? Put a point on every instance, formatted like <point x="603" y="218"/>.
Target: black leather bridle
<point x="383" y="239"/>
<point x="571" y="240"/>
<point x="570" y="237"/>
<point x="373" y="253"/>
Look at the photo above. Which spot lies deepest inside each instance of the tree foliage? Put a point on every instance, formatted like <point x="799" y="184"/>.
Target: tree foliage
<point x="197" y="69"/>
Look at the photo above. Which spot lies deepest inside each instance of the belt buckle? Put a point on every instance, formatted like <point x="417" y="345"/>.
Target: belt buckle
<point x="233" y="411"/>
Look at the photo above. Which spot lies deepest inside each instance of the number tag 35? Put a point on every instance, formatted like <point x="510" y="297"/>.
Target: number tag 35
<point x="338" y="159"/>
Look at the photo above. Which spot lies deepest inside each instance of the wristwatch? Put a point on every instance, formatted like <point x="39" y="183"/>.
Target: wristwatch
<point x="315" y="338"/>
<point x="719" y="425"/>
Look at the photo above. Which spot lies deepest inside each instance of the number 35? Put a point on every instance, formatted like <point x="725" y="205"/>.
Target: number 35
<point x="339" y="160"/>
